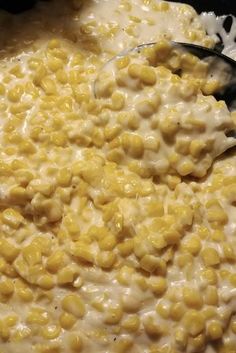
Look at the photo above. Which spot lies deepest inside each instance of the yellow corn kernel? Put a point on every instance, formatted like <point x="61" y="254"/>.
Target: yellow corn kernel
<point x="134" y="70"/>
<point x="172" y="237"/>
<point x="108" y="242"/>
<point x="75" y="342"/>
<point x="194" y="322"/>
<point x="12" y="218"/>
<point x="155" y="209"/>
<point x="51" y="331"/>
<point x="124" y="275"/>
<point x="150" y="263"/>
<point x="210" y="276"/>
<point x="74" y="305"/>
<point x="8" y="250"/>
<point x="152" y="328"/>
<point x="184" y="259"/>
<point x="122" y="62"/>
<point x="147" y="75"/>
<point x="192" y="298"/>
<point x="228" y="251"/>
<point x="54" y="43"/>
<point x="113" y="315"/>
<point x="106" y="259"/>
<point x="131" y="324"/>
<point x="11" y="320"/>
<point x="24" y="293"/>
<point x="211" y="87"/>
<point x="210" y="257"/>
<point x="163" y="309"/>
<point x="55" y="64"/>
<point x="233" y="325"/>
<point x="66" y="275"/>
<point x="15" y="93"/>
<point x="59" y="138"/>
<point x="192" y="245"/>
<point x="217" y="235"/>
<point x="83" y="252"/>
<point x="214" y="330"/>
<point x="55" y="261"/>
<point x="4" y="331"/>
<point x="168" y="126"/>
<point x="32" y="254"/>
<point x="158" y="285"/>
<point x="185" y="168"/>
<point x="177" y="311"/>
<point x="19" y="194"/>
<point x="197" y="147"/>
<point x="145" y="108"/>
<point x="2" y="89"/>
<point x="37" y="316"/>
<point x="46" y="282"/>
<point x="211" y="296"/>
<point x="48" y="85"/>
<point x="7" y="287"/>
<point x="217" y="214"/>
<point x="181" y="338"/>
<point x="126" y="248"/>
<point x="64" y="177"/>
<point x="117" y="101"/>
<point x="198" y="343"/>
<point x="209" y="312"/>
<point x="231" y="278"/>
<point x="67" y="321"/>
<point x="133" y="144"/>
<point x="111" y="132"/>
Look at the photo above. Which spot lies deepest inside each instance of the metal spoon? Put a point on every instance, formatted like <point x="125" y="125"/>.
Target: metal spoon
<point x="218" y="62"/>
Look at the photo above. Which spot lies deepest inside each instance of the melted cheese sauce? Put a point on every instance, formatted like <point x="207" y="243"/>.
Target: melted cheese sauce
<point x="100" y="253"/>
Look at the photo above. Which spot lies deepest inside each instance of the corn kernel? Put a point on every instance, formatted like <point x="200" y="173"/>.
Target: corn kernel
<point x="67" y="321"/>
<point x="214" y="330"/>
<point x="75" y="343"/>
<point x="210" y="257"/>
<point x="192" y="298"/>
<point x="74" y="305"/>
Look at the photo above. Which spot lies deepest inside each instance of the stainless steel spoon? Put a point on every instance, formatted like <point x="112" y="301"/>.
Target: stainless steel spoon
<point x="217" y="60"/>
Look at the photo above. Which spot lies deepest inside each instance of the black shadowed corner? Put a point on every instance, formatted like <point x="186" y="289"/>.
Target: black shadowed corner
<point x="220" y="7"/>
<point x="16" y="6"/>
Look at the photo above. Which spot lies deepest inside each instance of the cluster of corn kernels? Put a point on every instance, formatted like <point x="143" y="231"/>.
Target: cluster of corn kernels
<point x="96" y="256"/>
<point x="161" y="122"/>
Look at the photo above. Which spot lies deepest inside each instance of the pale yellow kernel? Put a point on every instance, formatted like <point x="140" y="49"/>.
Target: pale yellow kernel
<point x="192" y="298"/>
<point x="67" y="321"/>
<point x="210" y="257"/>
<point x="46" y="282"/>
<point x="106" y="259"/>
<point x="75" y="342"/>
<point x="131" y="324"/>
<point x="152" y="327"/>
<point x="6" y="287"/>
<point x="158" y="285"/>
<point x="12" y="218"/>
<point x="51" y="331"/>
<point x="214" y="330"/>
<point x="32" y="254"/>
<point x="74" y="305"/>
<point x="194" y="322"/>
<point x="113" y="315"/>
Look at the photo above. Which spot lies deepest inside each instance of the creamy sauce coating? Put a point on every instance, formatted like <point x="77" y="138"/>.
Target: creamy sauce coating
<point x="97" y="252"/>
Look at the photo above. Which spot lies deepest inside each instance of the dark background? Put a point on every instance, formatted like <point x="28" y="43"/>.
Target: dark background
<point x="220" y="7"/>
